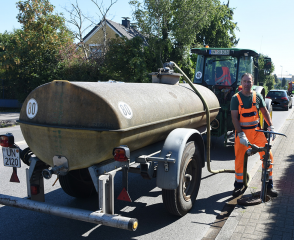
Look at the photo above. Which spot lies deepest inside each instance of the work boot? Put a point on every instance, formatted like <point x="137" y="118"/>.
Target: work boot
<point x="238" y="191"/>
<point x="272" y="192"/>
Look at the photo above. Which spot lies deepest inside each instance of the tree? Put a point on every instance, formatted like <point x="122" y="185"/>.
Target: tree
<point x="278" y="85"/>
<point x="276" y="78"/>
<point x="77" y="19"/>
<point x="268" y="80"/>
<point x="73" y="66"/>
<point x="220" y="32"/>
<point x="103" y="12"/>
<point x="29" y="55"/>
<point x="283" y="82"/>
<point x="171" y="27"/>
<point x="127" y="60"/>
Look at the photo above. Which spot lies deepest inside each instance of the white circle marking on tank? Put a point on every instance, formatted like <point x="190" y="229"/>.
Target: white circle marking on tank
<point x="32" y="108"/>
<point x="198" y="75"/>
<point x="125" y="109"/>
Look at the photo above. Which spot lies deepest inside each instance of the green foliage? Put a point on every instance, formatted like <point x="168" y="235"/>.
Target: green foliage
<point x="278" y="84"/>
<point x="127" y="60"/>
<point x="283" y="82"/>
<point x="43" y="50"/>
<point x="267" y="80"/>
<point x="174" y="26"/>
<point x="73" y="66"/>
<point x="29" y="55"/>
<point x="220" y="32"/>
<point x="276" y="78"/>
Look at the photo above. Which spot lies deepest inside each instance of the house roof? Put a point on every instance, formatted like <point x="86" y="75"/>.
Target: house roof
<point x="120" y="29"/>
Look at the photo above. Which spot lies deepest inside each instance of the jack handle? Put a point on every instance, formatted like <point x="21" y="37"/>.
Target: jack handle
<point x="266" y="162"/>
<point x="250" y="151"/>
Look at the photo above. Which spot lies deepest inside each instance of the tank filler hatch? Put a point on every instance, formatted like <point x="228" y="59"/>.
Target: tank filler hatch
<point x="166" y="75"/>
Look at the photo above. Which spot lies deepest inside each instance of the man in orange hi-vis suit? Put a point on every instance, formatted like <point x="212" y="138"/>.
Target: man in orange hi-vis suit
<point x="244" y="111"/>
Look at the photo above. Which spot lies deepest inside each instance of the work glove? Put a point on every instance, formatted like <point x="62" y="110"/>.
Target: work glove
<point x="243" y="138"/>
<point x="272" y="129"/>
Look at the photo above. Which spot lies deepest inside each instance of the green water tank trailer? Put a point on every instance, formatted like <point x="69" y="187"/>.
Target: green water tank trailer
<point x="84" y="121"/>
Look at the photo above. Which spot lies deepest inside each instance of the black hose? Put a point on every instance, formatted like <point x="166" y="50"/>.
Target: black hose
<point x="25" y="155"/>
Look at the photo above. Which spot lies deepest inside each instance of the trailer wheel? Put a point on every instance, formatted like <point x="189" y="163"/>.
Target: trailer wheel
<point x="78" y="183"/>
<point x="179" y="201"/>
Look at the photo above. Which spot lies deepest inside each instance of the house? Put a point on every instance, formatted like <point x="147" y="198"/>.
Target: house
<point x="94" y="39"/>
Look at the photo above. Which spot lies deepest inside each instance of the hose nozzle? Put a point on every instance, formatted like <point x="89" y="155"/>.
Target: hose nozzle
<point x="47" y="173"/>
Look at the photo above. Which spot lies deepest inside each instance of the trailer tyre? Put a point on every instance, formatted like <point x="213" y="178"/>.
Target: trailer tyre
<point x="78" y="183"/>
<point x="180" y="201"/>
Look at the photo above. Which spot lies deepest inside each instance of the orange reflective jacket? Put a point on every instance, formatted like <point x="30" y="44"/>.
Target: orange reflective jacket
<point x="249" y="118"/>
<point x="249" y="121"/>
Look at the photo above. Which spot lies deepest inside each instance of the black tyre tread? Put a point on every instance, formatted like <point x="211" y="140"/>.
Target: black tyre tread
<point x="170" y="197"/>
<point x="169" y="200"/>
<point x="75" y="186"/>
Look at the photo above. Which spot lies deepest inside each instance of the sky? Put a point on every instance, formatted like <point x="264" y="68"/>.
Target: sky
<point x="264" y="25"/>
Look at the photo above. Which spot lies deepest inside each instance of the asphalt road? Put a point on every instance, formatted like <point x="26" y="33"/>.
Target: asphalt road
<point x="147" y="206"/>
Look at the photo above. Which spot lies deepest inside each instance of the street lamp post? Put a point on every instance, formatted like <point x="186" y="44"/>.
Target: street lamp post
<point x="281" y="72"/>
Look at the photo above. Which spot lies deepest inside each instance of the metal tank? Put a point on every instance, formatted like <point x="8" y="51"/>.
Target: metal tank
<point x="84" y="121"/>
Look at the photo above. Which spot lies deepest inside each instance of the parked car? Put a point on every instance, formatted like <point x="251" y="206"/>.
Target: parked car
<point x="280" y="99"/>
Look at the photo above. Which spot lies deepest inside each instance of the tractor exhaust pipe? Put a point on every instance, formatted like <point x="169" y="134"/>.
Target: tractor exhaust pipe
<point x="116" y="221"/>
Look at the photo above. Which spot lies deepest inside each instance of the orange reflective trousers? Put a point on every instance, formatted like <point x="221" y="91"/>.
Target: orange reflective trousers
<point x="249" y="121"/>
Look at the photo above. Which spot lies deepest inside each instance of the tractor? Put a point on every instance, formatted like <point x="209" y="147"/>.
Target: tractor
<point x="220" y="70"/>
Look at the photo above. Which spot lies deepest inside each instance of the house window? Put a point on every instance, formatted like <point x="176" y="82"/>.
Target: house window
<point x="95" y="50"/>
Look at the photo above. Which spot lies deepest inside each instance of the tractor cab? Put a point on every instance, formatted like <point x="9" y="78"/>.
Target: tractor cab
<point x="223" y="68"/>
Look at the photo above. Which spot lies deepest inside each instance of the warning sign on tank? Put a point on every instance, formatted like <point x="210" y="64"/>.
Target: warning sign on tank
<point x="198" y="75"/>
<point x="32" y="108"/>
<point x="125" y="109"/>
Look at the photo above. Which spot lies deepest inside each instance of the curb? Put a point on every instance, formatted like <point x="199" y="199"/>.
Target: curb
<point x="8" y="123"/>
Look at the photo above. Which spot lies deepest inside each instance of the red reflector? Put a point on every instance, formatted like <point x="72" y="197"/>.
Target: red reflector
<point x="14" y="177"/>
<point x="7" y="140"/>
<point x="124" y="196"/>
<point x="34" y="189"/>
<point x="120" y="155"/>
